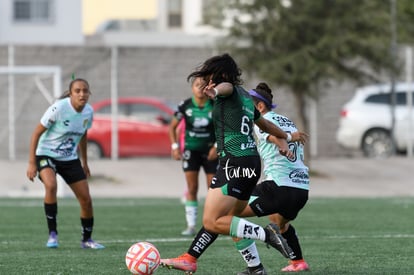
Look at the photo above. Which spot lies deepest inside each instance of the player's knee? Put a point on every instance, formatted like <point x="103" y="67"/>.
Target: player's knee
<point x="85" y="202"/>
<point x="51" y="190"/>
<point x="209" y="225"/>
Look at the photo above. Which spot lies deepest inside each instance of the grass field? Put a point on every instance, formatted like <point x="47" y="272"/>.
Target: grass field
<point x="339" y="236"/>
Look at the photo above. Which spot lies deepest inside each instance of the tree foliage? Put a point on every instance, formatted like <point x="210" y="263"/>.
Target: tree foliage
<point x="304" y="45"/>
<point x="300" y="43"/>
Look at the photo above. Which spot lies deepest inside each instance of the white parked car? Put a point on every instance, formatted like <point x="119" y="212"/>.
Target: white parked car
<point x="366" y="120"/>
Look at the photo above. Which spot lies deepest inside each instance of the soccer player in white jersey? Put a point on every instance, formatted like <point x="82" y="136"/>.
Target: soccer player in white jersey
<point x="54" y="150"/>
<point x="284" y="190"/>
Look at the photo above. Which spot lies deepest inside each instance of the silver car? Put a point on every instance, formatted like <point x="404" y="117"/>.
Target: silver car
<point x="366" y="120"/>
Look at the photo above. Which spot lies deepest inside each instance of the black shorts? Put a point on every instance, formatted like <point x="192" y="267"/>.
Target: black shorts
<point x="237" y="177"/>
<point x="193" y="160"/>
<point x="71" y="170"/>
<point x="271" y="199"/>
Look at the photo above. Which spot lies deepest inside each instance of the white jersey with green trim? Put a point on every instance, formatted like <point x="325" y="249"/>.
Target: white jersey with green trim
<point x="65" y="128"/>
<point x="283" y="171"/>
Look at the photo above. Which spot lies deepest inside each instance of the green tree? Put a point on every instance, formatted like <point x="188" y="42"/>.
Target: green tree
<point x="304" y="45"/>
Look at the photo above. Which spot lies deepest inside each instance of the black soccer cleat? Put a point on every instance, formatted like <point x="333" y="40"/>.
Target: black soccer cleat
<point x="276" y="240"/>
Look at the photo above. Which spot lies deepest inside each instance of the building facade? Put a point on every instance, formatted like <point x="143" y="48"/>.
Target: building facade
<point x="41" y="22"/>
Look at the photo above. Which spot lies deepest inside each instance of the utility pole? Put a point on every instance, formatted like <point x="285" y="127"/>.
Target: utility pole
<point x="394" y="65"/>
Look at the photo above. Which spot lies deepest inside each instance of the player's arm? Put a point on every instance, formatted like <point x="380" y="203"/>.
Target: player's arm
<point x="175" y="148"/>
<point x="223" y="89"/>
<point x="269" y="127"/>
<point x="212" y="154"/>
<point x="274" y="130"/>
<point x="282" y="144"/>
<point x="83" y="143"/>
<point x="34" y="140"/>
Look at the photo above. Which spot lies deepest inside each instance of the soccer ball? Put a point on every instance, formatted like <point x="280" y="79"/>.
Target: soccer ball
<point x="142" y="258"/>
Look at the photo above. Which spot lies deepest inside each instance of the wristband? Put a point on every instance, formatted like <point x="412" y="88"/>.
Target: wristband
<point x="289" y="137"/>
<point x="216" y="91"/>
<point x="174" y="146"/>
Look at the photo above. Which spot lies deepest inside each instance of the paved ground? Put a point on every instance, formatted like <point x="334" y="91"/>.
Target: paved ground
<point x="162" y="177"/>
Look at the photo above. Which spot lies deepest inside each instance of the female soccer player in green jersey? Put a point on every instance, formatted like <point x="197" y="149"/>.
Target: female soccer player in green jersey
<point x="239" y="169"/>
<point x="199" y="146"/>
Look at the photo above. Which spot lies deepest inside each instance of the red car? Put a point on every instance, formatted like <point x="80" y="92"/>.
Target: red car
<point x="142" y="128"/>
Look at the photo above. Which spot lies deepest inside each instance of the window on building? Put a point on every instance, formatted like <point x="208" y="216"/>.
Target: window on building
<point x="175" y="13"/>
<point x="33" y="10"/>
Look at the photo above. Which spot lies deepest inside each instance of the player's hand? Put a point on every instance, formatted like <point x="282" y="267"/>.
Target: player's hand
<point x="289" y="154"/>
<point x="86" y="170"/>
<point x="176" y="154"/>
<point x="209" y="90"/>
<point x="31" y="171"/>
<point x="284" y="148"/>
<point x="300" y="137"/>
<point x="212" y="154"/>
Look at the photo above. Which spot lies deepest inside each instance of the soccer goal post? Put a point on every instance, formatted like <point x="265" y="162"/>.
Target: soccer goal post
<point x="11" y="71"/>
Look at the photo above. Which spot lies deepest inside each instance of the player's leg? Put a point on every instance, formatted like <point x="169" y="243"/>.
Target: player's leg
<point x="48" y="177"/>
<point x="191" y="165"/>
<point x="229" y="193"/>
<point x="73" y="174"/>
<point x="210" y="169"/>
<point x="81" y="191"/>
<point x="297" y="263"/>
<point x="191" y="203"/>
<point x="192" y="169"/>
<point x="264" y="201"/>
<point x="188" y="261"/>
<point x="248" y="250"/>
<point x="209" y="178"/>
<point x="216" y="220"/>
<point x="293" y="200"/>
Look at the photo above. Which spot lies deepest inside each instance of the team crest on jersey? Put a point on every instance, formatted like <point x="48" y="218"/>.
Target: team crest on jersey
<point x="50" y="122"/>
<point x="85" y="123"/>
<point x="189" y="112"/>
<point x="43" y="162"/>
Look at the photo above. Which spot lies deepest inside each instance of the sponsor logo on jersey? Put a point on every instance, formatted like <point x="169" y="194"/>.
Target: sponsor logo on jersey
<point x="284" y="122"/>
<point x="299" y="176"/>
<point x="236" y="172"/>
<point x="248" y="145"/>
<point x="200" y="122"/>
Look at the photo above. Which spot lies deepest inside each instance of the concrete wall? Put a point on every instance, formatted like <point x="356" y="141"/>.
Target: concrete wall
<point x="159" y="72"/>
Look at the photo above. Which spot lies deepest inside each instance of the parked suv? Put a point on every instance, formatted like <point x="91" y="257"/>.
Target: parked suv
<point x="366" y="120"/>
